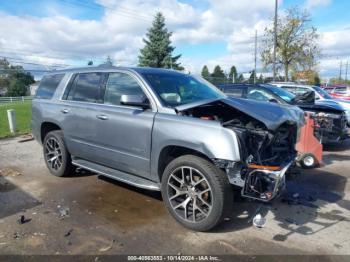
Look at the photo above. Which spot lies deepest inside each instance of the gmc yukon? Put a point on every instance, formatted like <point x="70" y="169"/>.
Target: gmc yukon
<point x="164" y="130"/>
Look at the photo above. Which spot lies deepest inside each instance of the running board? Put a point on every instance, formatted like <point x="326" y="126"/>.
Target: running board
<point x="117" y="175"/>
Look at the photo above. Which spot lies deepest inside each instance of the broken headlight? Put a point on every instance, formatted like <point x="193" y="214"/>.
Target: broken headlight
<point x="329" y="115"/>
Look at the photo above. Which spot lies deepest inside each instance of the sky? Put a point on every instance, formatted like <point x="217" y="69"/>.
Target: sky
<point x="47" y="34"/>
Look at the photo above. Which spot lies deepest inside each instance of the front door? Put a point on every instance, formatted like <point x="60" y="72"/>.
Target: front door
<point x="125" y="132"/>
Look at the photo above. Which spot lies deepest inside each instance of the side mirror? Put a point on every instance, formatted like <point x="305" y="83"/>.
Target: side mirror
<point x="305" y="98"/>
<point x="135" y="100"/>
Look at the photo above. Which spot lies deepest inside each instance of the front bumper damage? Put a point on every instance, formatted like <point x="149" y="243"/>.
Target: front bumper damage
<point x="262" y="183"/>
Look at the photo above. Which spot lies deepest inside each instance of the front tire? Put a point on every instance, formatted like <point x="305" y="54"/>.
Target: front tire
<point x="196" y="193"/>
<point x="56" y="155"/>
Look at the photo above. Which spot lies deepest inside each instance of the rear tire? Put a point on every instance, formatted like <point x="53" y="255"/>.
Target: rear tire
<point x="196" y="193"/>
<point x="56" y="155"/>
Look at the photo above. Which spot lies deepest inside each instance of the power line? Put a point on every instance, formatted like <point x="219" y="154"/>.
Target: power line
<point x="275" y="41"/>
<point x="19" y="60"/>
<point x="120" y="12"/>
<point x="132" y="12"/>
<point x="255" y="54"/>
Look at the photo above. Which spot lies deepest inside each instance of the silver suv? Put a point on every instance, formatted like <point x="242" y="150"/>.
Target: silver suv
<point x="164" y="130"/>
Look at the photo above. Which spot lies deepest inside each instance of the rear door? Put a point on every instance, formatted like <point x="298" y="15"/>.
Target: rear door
<point x="125" y="132"/>
<point x="79" y="108"/>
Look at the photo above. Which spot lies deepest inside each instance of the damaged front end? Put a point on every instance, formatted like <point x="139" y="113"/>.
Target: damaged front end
<point x="266" y="134"/>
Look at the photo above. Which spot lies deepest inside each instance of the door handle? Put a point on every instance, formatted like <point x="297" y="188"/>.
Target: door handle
<point x="102" y="117"/>
<point x="64" y="111"/>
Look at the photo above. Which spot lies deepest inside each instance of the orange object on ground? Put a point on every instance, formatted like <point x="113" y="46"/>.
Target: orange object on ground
<point x="309" y="147"/>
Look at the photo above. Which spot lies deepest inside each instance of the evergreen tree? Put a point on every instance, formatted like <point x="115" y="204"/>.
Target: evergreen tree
<point x="240" y="79"/>
<point x="218" y="76"/>
<point x="232" y="77"/>
<point x="261" y="79"/>
<point x="109" y="61"/>
<point x="158" y="49"/>
<point x="205" y="72"/>
<point x="251" y="77"/>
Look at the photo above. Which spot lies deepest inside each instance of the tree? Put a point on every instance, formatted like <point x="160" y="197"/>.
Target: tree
<point x="297" y="46"/>
<point x="90" y="63"/>
<point x="109" y="61"/>
<point x="205" y="72"/>
<point x="14" y="80"/>
<point x="24" y="77"/>
<point x="218" y="76"/>
<point x="17" y="88"/>
<point x="251" y="77"/>
<point x="158" y="50"/>
<point x="232" y="76"/>
<point x="261" y="79"/>
<point x="240" y="79"/>
<point x="317" y="80"/>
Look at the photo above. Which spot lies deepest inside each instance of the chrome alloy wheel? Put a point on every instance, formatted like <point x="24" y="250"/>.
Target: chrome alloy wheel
<point x="189" y="194"/>
<point x="53" y="153"/>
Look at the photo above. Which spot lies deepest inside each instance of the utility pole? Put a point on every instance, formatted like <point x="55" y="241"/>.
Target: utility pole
<point x="340" y="69"/>
<point x="255" y="51"/>
<point x="346" y="71"/>
<point x="275" y="42"/>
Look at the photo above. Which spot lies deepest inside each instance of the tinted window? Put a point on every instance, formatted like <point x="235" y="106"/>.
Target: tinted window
<point x="233" y="91"/>
<point x="48" y="85"/>
<point x="289" y="89"/>
<point x="280" y="92"/>
<point x="322" y="92"/>
<point x="259" y="94"/>
<point x="86" y="88"/>
<point x="302" y="90"/>
<point x="119" y="84"/>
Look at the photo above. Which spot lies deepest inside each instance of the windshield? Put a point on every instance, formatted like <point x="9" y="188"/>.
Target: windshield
<point x="322" y="92"/>
<point x="285" y="95"/>
<point x="175" y="89"/>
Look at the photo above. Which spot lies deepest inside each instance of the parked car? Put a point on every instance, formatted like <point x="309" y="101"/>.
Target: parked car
<point x="164" y="130"/>
<point x="331" y="120"/>
<point x="341" y="92"/>
<point x="321" y="96"/>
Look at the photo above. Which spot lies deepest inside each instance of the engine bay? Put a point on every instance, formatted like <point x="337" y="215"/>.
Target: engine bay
<point x="266" y="154"/>
<point x="258" y="145"/>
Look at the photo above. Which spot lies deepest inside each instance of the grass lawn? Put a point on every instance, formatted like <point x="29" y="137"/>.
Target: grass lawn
<point x="23" y="118"/>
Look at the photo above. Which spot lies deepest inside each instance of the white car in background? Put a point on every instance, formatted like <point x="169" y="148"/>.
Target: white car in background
<point x="321" y="96"/>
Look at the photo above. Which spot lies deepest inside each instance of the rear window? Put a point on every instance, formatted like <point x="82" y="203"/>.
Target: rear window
<point x="48" y="85"/>
<point x="233" y="91"/>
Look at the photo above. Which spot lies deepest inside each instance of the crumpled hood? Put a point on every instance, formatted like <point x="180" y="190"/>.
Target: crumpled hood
<point x="325" y="104"/>
<point x="271" y="114"/>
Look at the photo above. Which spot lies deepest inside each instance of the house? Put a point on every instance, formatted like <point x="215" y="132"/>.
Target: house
<point x="33" y="88"/>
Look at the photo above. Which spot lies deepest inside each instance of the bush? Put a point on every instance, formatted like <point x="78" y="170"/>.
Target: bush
<point x="17" y="88"/>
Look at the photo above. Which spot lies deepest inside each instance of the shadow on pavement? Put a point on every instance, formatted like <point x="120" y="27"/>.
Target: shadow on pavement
<point x="297" y="210"/>
<point x="13" y="199"/>
<point x="337" y="146"/>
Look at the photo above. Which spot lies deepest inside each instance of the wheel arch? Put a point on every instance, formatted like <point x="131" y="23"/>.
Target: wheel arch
<point x="170" y="152"/>
<point x="47" y="127"/>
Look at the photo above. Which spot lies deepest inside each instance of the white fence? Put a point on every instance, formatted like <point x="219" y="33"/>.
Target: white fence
<point x="5" y="99"/>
